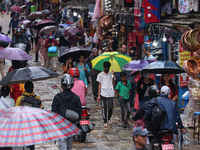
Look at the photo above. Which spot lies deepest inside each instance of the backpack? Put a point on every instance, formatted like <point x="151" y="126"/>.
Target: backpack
<point x="30" y="101"/>
<point x="157" y="120"/>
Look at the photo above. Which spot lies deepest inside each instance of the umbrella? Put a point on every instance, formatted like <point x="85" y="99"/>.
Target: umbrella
<point x="74" y="52"/>
<point x="23" y="75"/>
<point x="16" y="9"/>
<point x="116" y="59"/>
<point x="35" y="15"/>
<point x="25" y="22"/>
<point x="47" y="30"/>
<point x="46" y="11"/>
<point x="162" y="66"/>
<point x="70" y="33"/>
<point x="4" y="38"/>
<point x="44" y="23"/>
<point x="14" y="54"/>
<point x="136" y="65"/>
<point x="59" y="32"/>
<point x="24" y="126"/>
<point x="64" y="25"/>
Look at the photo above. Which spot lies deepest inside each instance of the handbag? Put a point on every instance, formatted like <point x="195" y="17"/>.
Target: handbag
<point x="52" y="54"/>
<point x="52" y="49"/>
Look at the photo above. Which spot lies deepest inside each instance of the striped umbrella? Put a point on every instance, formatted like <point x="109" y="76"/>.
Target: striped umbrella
<point x="23" y="126"/>
<point x="116" y="59"/>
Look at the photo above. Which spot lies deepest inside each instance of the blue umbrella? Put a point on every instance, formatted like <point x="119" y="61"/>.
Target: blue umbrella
<point x="64" y="25"/>
<point x="162" y="66"/>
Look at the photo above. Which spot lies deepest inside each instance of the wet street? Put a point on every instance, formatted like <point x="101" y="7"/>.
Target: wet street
<point x="113" y="137"/>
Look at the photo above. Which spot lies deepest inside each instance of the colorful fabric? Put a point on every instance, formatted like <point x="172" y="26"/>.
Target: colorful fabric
<point x="151" y="11"/>
<point x="138" y="23"/>
<point x="137" y="6"/>
<point x="185" y="6"/>
<point x="38" y="126"/>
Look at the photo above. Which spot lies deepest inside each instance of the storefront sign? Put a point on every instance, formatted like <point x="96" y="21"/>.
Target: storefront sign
<point x="183" y="55"/>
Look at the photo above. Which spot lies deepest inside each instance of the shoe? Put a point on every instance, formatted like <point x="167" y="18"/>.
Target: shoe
<point x="105" y="125"/>
<point x="124" y="125"/>
<point x="35" y="61"/>
<point x="110" y="122"/>
<point x="127" y="124"/>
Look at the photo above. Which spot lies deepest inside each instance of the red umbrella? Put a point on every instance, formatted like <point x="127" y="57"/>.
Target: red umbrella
<point x="16" y="9"/>
<point x="44" y="23"/>
<point x="70" y="33"/>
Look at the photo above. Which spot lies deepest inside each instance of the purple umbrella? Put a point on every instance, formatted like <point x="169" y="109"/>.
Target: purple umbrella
<point x="70" y="33"/>
<point x="4" y="38"/>
<point x="136" y="65"/>
<point x="25" y="22"/>
<point x="14" y="54"/>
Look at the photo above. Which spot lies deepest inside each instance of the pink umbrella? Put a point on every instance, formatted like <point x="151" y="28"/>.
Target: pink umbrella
<point x="97" y="9"/>
<point x="16" y="9"/>
<point x="47" y="30"/>
<point x="25" y="22"/>
<point x="70" y="33"/>
<point x="44" y="23"/>
<point x="35" y="15"/>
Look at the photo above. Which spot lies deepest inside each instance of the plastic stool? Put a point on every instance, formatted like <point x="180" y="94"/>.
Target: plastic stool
<point x="198" y="114"/>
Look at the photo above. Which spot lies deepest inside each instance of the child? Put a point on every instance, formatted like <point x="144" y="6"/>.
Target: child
<point x="106" y="92"/>
<point x="123" y="91"/>
<point x="68" y="65"/>
<point x="83" y="68"/>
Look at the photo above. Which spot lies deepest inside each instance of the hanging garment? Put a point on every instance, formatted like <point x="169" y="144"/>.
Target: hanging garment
<point x="166" y="8"/>
<point x="137" y="6"/>
<point x="151" y="11"/>
<point x="132" y="36"/>
<point x="128" y="3"/>
<point x="140" y="37"/>
<point x="138" y="24"/>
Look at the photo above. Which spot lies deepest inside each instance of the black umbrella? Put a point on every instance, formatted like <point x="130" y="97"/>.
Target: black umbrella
<point x="23" y="75"/>
<point x="75" y="53"/>
<point x="163" y="66"/>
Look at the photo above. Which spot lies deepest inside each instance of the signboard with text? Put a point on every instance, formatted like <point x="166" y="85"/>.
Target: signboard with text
<point x="183" y="56"/>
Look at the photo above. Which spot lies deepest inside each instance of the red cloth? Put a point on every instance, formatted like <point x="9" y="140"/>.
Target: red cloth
<point x="49" y="43"/>
<point x="132" y="36"/>
<point x="15" y="91"/>
<point x="140" y="35"/>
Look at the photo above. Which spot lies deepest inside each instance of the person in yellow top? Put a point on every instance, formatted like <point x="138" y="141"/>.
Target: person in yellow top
<point x="28" y="98"/>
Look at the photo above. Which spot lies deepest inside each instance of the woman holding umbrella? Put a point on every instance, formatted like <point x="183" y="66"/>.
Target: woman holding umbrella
<point x="166" y="80"/>
<point x="42" y="50"/>
<point x="143" y="86"/>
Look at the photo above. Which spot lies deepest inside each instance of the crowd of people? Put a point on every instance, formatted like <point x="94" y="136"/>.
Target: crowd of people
<point x="105" y="84"/>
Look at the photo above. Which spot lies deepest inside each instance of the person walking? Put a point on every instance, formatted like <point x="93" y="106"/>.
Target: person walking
<point x="51" y="56"/>
<point x="14" y="22"/>
<point x="42" y="50"/>
<point x="139" y="135"/>
<point x="81" y="41"/>
<point x="88" y="40"/>
<point x="93" y="73"/>
<point x="143" y="86"/>
<point x="106" y="92"/>
<point x="63" y="45"/>
<point x="147" y="52"/>
<point x="83" y="69"/>
<point x="5" y="101"/>
<point x="63" y="101"/>
<point x="123" y="91"/>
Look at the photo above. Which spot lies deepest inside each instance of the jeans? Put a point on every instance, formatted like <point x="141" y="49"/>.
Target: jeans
<point x="54" y="59"/>
<point x="125" y="103"/>
<point x="94" y="86"/>
<point x="145" y="99"/>
<point x="104" y="101"/>
<point x="65" y="144"/>
<point x="132" y="94"/>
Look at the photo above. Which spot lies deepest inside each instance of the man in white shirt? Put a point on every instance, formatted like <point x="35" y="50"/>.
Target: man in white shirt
<point x="147" y="52"/>
<point x="88" y="40"/>
<point x="106" y="92"/>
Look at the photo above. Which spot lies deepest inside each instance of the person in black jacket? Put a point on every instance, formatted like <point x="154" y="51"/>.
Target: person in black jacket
<point x="142" y="87"/>
<point x="66" y="100"/>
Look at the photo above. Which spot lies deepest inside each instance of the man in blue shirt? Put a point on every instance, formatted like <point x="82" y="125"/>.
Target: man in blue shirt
<point x="14" y="22"/>
<point x="147" y="52"/>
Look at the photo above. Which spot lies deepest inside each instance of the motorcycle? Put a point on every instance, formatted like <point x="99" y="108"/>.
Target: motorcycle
<point x="84" y="124"/>
<point x="162" y="140"/>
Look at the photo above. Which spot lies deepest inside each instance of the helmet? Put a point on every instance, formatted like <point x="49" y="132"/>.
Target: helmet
<point x="23" y="27"/>
<point x="154" y="91"/>
<point x="67" y="82"/>
<point x="74" y="72"/>
<point x="19" y="30"/>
